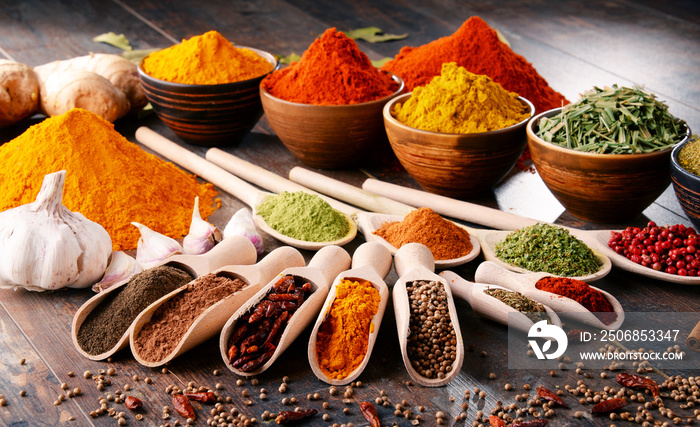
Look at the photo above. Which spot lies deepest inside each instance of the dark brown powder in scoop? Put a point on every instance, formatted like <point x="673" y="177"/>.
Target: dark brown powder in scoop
<point x="169" y="323"/>
<point x="107" y="322"/>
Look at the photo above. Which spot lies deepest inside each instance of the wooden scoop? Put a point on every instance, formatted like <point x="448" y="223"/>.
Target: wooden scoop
<point x="368" y="223"/>
<point x="484" y="240"/>
<point x="597" y="239"/>
<point x="326" y="264"/>
<point x="232" y="250"/>
<point x="231" y="184"/>
<point x="489" y="307"/>
<point x="371" y="262"/>
<point x="210" y="322"/>
<point x="414" y="262"/>
<point x="489" y="272"/>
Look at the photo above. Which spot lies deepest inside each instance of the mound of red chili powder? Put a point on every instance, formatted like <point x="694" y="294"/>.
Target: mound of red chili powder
<point x="476" y="47"/>
<point x="332" y="71"/>
<point x="581" y="292"/>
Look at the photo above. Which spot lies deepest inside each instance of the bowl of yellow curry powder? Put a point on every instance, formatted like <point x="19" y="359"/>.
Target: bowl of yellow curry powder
<point x="459" y="135"/>
<point x="206" y="89"/>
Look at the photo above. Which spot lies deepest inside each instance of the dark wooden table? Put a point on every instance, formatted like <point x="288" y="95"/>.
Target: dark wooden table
<point x="574" y="45"/>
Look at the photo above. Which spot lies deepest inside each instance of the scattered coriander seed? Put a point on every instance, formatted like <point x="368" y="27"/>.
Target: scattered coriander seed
<point x="71" y="373"/>
<point x="216" y="372"/>
<point x="508" y="387"/>
<point x="218" y="386"/>
<point x="327" y="405"/>
<point x="254" y="381"/>
<point x="346" y="410"/>
<point x="293" y="400"/>
<point x="347" y="394"/>
<point x="285" y="401"/>
<point x="164" y="370"/>
<point x="87" y="374"/>
<point x="23" y="393"/>
<point x="326" y="417"/>
<point x="552" y="373"/>
<point x="482" y="394"/>
<point x="127" y="387"/>
<point x="332" y="390"/>
<point x="285" y="379"/>
<point x="484" y="354"/>
<point x="282" y="388"/>
<point x="409" y="383"/>
<point x="439" y="414"/>
<point x="603" y="375"/>
<point x="3" y="402"/>
<point x="239" y="382"/>
<point x="317" y="396"/>
<point x="111" y="372"/>
<point x="263" y="396"/>
<point x="245" y="393"/>
<point x="136" y="378"/>
<point x="492" y="376"/>
<point x="248" y="402"/>
<point x="56" y="402"/>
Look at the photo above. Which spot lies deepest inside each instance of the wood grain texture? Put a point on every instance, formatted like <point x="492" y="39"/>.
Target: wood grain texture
<point x="573" y="45"/>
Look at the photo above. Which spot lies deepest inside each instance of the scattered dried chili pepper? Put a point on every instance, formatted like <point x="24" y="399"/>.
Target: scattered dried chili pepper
<point x="551" y="397"/>
<point x="496" y="421"/>
<point x="285" y="417"/>
<point x="574" y="335"/>
<point x="133" y="403"/>
<point x="608" y="406"/>
<point x="637" y="381"/>
<point x="207" y="397"/>
<point x="370" y="413"/>
<point x="539" y="422"/>
<point x="182" y="405"/>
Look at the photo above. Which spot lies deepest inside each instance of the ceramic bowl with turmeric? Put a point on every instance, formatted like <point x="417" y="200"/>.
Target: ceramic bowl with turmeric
<point x="210" y="112"/>
<point x="456" y="165"/>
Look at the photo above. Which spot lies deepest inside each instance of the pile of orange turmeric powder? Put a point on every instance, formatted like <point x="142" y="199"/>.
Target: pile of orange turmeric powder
<point x="109" y="179"/>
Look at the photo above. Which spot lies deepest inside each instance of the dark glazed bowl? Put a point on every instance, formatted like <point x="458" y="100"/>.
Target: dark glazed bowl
<point x="687" y="187"/>
<point x="328" y="136"/>
<point x="211" y="115"/>
<point x="452" y="164"/>
<point x="609" y="188"/>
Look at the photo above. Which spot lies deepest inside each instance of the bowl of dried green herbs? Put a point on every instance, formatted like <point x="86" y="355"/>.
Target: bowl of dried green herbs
<point x="685" y="175"/>
<point x="606" y="157"/>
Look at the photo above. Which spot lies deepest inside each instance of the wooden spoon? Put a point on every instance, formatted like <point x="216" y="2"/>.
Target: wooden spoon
<point x="231" y="184"/>
<point x="597" y="239"/>
<point x="232" y="250"/>
<point x="210" y="322"/>
<point x="414" y="261"/>
<point x="489" y="307"/>
<point x="367" y="222"/>
<point x="371" y="262"/>
<point x="489" y="272"/>
<point x="326" y="264"/>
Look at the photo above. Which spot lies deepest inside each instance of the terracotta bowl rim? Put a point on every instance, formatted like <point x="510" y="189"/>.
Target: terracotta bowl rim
<point x="676" y="166"/>
<point x="382" y="100"/>
<point x="532" y="137"/>
<point x="269" y="57"/>
<point x="394" y="122"/>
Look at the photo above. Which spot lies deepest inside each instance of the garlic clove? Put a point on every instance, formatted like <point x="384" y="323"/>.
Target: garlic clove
<point x="202" y="235"/>
<point x="121" y="267"/>
<point x="241" y="224"/>
<point x="44" y="246"/>
<point x="154" y="247"/>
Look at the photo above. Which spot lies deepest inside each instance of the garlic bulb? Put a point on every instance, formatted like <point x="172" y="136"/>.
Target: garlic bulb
<point x="121" y="267"/>
<point x="154" y="247"/>
<point x="44" y="246"/>
<point x="202" y="235"/>
<point x="241" y="224"/>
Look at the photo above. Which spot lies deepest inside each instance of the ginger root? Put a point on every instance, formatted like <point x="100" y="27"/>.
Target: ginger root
<point x="120" y="72"/>
<point x="63" y="90"/>
<point x="19" y="92"/>
<point x="105" y="84"/>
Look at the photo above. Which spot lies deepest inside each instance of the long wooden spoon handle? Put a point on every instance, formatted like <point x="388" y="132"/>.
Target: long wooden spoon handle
<point x="198" y="165"/>
<point x="264" y="178"/>
<point x="348" y="193"/>
<point x="331" y="260"/>
<point x="466" y="211"/>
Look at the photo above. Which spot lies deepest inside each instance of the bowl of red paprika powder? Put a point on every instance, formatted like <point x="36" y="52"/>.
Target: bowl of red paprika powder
<point x="200" y="98"/>
<point x="327" y="107"/>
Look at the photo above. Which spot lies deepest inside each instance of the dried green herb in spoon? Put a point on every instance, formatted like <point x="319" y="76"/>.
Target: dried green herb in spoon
<point x="617" y="120"/>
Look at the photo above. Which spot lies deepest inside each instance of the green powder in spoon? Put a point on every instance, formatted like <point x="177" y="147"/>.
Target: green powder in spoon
<point x="303" y="216"/>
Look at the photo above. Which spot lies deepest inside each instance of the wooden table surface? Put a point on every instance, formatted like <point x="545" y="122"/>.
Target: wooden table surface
<point x="574" y="45"/>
